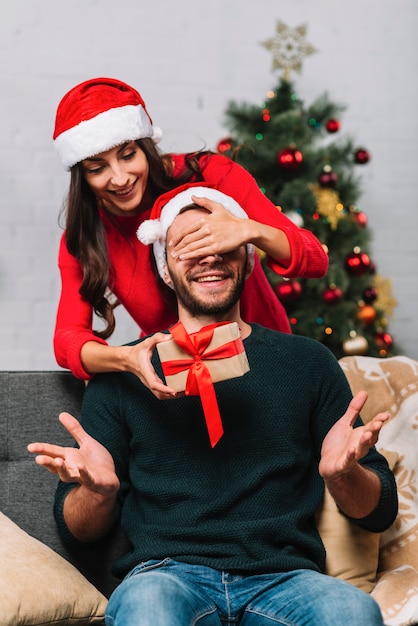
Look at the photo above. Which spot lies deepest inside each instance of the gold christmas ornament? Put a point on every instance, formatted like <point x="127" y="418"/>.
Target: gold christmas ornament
<point x="328" y="204"/>
<point x="355" y="344"/>
<point x="289" y="48"/>
<point x="385" y="300"/>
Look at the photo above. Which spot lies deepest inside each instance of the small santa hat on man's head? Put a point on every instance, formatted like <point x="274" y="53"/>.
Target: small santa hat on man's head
<point x="97" y="115"/>
<point x="169" y="205"/>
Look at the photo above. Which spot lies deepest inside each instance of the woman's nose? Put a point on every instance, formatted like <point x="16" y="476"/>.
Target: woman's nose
<point x="118" y="176"/>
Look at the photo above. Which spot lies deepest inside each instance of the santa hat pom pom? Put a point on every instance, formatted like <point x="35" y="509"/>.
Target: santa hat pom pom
<point x="157" y="134"/>
<point x="150" y="231"/>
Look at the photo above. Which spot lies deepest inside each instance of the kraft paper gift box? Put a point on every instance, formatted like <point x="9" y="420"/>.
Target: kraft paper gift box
<point x="192" y="363"/>
<point x="225" y="339"/>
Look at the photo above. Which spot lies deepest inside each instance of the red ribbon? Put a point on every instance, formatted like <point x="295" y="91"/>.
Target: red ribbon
<point x="199" y="381"/>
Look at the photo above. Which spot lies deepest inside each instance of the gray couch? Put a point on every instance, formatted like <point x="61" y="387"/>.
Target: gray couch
<point x="386" y="566"/>
<point x="29" y="406"/>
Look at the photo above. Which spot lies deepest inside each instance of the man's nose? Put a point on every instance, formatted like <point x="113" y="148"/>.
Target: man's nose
<point x="211" y="259"/>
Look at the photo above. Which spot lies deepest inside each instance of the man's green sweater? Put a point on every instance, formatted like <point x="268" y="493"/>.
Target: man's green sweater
<point x="248" y="505"/>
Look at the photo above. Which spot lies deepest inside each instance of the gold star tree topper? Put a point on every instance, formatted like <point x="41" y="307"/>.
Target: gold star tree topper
<point x="289" y="48"/>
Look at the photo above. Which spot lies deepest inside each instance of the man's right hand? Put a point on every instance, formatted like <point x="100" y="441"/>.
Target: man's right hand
<point x="90" y="465"/>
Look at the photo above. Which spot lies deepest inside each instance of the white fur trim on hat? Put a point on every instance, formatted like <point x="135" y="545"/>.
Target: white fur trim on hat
<point x="103" y="132"/>
<point x="155" y="230"/>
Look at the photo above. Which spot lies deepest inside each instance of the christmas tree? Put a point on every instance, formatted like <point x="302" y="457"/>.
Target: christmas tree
<point x="304" y="164"/>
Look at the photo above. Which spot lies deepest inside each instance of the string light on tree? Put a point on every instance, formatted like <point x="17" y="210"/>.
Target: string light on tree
<point x="266" y="115"/>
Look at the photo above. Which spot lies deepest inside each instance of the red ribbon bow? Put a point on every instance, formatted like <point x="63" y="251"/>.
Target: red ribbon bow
<point x="199" y="381"/>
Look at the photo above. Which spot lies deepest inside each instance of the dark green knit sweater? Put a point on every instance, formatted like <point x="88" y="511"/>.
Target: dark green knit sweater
<point x="248" y="504"/>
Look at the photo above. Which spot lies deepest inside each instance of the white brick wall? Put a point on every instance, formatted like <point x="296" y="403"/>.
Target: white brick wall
<point x="188" y="59"/>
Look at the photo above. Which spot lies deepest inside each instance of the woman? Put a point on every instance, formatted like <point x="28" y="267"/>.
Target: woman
<point x="106" y="138"/>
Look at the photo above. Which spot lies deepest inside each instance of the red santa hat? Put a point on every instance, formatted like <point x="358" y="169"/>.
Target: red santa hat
<point x="97" y="115"/>
<point x="169" y="205"/>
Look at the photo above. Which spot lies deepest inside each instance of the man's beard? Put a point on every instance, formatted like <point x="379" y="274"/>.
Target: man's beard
<point x="197" y="306"/>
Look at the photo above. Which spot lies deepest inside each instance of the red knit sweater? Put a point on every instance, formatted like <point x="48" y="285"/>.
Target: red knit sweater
<point x="135" y="283"/>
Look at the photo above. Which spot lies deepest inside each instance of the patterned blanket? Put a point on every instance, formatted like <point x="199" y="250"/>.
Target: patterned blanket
<point x="392" y="385"/>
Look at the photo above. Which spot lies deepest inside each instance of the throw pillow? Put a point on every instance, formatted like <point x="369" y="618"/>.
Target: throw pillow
<point x="38" y="587"/>
<point x="352" y="552"/>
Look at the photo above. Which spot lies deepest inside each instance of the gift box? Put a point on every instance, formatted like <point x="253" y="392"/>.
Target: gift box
<point x="225" y="339"/>
<point x="192" y="363"/>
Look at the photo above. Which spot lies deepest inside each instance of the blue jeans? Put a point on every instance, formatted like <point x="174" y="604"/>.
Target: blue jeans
<point x="169" y="593"/>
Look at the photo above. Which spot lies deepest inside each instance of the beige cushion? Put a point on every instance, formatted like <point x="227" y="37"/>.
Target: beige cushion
<point x="352" y="552"/>
<point x="392" y="385"/>
<point x="39" y="587"/>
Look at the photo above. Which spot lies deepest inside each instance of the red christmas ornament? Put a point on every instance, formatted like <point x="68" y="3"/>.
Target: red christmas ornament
<point x="289" y="291"/>
<point x="328" y="178"/>
<point x="367" y="314"/>
<point x="224" y="145"/>
<point x="383" y="340"/>
<point x="361" y="156"/>
<point x="360" y="218"/>
<point x="358" y="263"/>
<point x="290" y="158"/>
<point x="333" y="126"/>
<point x="369" y="295"/>
<point x="332" y="295"/>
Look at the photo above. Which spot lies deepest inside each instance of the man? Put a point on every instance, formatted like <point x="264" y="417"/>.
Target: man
<point x="223" y="534"/>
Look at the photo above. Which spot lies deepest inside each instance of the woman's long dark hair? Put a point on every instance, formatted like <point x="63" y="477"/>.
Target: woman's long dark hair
<point x="85" y="233"/>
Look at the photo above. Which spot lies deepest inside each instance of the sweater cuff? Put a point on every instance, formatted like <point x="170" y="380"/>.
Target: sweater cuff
<point x="71" y="359"/>
<point x="386" y="511"/>
<point x="305" y="261"/>
<point x="63" y="489"/>
<point x="297" y="263"/>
